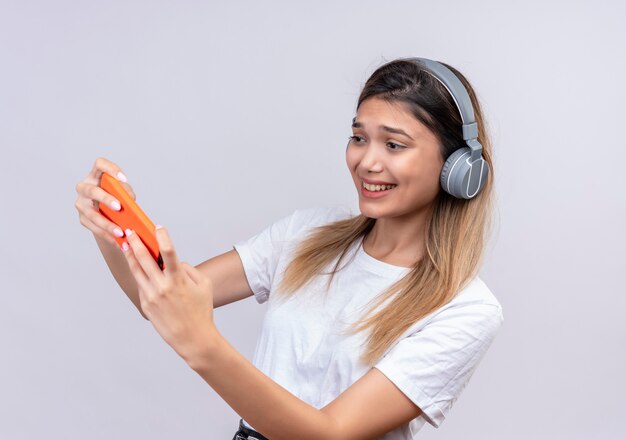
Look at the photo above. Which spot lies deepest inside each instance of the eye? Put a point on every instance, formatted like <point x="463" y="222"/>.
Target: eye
<point x="354" y="138"/>
<point x="400" y="147"/>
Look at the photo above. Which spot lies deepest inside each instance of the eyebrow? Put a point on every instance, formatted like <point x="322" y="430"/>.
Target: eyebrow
<point x="356" y="124"/>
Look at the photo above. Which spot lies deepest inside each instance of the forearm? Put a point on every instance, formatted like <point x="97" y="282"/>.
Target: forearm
<point x="121" y="272"/>
<point x="267" y="406"/>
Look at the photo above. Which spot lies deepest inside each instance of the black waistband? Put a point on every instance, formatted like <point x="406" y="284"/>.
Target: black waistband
<point x="248" y="433"/>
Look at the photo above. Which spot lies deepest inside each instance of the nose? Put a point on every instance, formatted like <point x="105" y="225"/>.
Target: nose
<point x="371" y="158"/>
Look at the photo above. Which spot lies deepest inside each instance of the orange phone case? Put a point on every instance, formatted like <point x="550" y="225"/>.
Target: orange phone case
<point x="130" y="216"/>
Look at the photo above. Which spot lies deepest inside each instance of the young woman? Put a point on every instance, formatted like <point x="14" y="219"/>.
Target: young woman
<point x="376" y="320"/>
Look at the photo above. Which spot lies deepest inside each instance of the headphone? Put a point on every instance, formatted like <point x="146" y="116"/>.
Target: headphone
<point x="465" y="171"/>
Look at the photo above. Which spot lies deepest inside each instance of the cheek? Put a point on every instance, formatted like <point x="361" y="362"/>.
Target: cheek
<point x="351" y="159"/>
<point x="421" y="177"/>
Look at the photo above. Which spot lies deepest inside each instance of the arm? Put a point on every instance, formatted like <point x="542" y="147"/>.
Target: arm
<point x="225" y="271"/>
<point x="228" y="278"/>
<point x="372" y="406"/>
<point x="121" y="272"/>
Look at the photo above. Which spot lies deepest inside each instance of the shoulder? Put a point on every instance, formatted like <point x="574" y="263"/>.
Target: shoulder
<point x="474" y="307"/>
<point x="477" y="291"/>
<point x="476" y="299"/>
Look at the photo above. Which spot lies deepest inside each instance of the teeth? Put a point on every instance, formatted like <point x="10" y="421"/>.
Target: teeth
<point x="377" y="187"/>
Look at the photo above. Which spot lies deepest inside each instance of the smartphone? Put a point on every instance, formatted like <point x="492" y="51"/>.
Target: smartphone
<point x="131" y="216"/>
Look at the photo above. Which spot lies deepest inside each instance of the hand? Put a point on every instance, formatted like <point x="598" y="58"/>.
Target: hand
<point x="178" y="301"/>
<point x="90" y="195"/>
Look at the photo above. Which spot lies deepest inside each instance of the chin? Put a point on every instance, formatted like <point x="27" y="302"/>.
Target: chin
<point x="370" y="211"/>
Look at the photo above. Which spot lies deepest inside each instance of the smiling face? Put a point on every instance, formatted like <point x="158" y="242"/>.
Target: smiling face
<point x="390" y="145"/>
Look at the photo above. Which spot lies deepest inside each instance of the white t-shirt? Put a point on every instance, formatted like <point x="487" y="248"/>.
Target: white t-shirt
<point x="301" y="346"/>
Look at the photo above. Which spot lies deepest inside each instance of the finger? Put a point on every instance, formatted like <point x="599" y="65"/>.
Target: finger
<point x="140" y="276"/>
<point x="96" y="230"/>
<point x="104" y="165"/>
<point x="94" y="216"/>
<point x="97" y="195"/>
<point x="88" y="211"/>
<point x="168" y="252"/>
<point x="144" y="257"/>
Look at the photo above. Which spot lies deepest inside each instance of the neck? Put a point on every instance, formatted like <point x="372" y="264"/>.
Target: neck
<point x="399" y="240"/>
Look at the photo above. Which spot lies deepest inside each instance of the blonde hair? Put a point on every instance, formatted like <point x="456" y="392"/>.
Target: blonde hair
<point x="455" y="235"/>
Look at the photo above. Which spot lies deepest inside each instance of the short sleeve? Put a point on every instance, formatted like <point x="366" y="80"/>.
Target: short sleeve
<point x="260" y="254"/>
<point x="433" y="365"/>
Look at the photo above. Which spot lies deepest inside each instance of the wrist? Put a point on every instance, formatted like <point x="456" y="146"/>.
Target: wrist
<point x="201" y="354"/>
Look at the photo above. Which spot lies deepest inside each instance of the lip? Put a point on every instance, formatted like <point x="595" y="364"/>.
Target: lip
<point x="376" y="182"/>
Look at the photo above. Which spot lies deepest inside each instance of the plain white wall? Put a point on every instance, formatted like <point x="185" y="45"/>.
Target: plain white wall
<point x="227" y="117"/>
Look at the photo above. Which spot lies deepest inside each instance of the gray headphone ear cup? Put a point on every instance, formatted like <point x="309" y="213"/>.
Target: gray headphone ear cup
<point x="483" y="169"/>
<point x="456" y="174"/>
<point x="452" y="166"/>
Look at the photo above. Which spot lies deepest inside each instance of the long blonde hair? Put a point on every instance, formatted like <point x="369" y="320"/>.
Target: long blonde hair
<point x="456" y="233"/>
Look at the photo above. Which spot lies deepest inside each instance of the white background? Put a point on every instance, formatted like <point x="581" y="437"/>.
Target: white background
<point x="228" y="116"/>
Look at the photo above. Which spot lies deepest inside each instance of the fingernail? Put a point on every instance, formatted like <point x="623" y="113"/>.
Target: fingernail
<point x="118" y="232"/>
<point x="122" y="177"/>
<point x="116" y="205"/>
<point x="125" y="246"/>
<point x="129" y="232"/>
<point x="158" y="227"/>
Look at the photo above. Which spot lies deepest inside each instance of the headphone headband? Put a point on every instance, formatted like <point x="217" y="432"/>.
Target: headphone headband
<point x="461" y="98"/>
